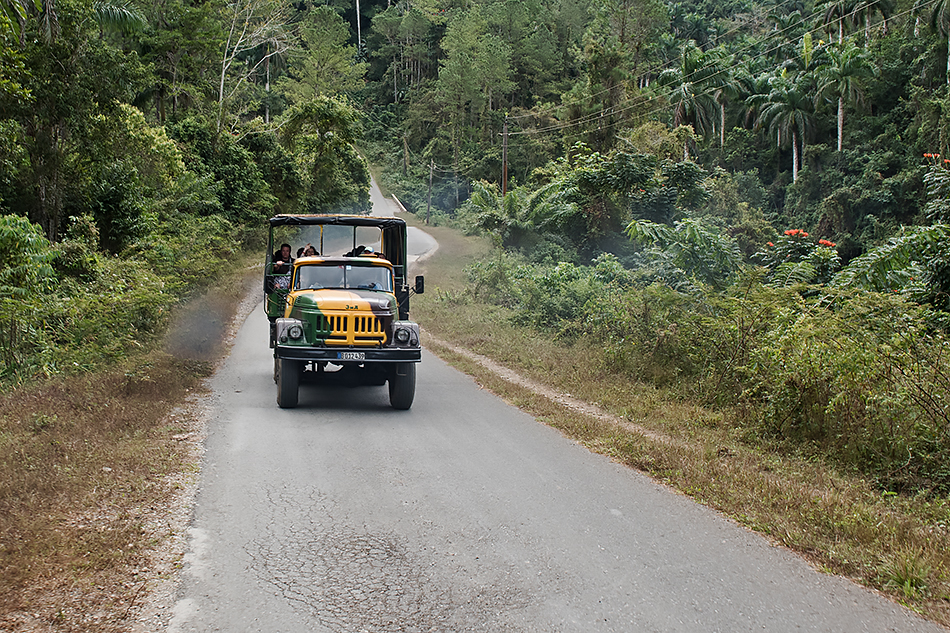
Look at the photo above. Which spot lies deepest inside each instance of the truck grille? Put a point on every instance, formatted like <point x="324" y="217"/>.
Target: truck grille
<point x="349" y="329"/>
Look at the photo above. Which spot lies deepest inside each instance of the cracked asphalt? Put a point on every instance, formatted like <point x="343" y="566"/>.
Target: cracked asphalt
<point x="463" y="514"/>
<point x="351" y="578"/>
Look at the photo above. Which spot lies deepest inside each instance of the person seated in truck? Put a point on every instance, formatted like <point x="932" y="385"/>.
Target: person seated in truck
<point x="310" y="251"/>
<point x="282" y="261"/>
<point x="368" y="278"/>
<point x="319" y="277"/>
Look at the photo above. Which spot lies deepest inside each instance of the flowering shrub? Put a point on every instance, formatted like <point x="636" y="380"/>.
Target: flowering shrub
<point x="795" y="258"/>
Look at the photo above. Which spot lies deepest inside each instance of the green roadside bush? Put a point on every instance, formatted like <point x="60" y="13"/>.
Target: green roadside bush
<point x="85" y="324"/>
<point x="69" y="307"/>
<point x="186" y="251"/>
<point x="861" y="379"/>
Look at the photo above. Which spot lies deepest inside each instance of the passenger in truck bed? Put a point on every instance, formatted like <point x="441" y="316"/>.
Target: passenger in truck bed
<point x="282" y="261"/>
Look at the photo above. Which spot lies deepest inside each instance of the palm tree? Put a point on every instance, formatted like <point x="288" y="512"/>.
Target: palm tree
<point x="15" y="13"/>
<point x="788" y="115"/>
<point x="836" y="11"/>
<point x="788" y="28"/>
<point x="690" y="89"/>
<point x="940" y="21"/>
<point x="724" y="85"/>
<point x="863" y="10"/>
<point x="118" y="15"/>
<point x="840" y="77"/>
<point x="754" y="91"/>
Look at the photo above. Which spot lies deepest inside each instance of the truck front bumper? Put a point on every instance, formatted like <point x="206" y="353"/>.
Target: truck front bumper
<point x="349" y="354"/>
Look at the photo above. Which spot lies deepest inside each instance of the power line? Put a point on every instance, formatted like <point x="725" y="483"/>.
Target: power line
<point x="640" y="100"/>
<point x="627" y="105"/>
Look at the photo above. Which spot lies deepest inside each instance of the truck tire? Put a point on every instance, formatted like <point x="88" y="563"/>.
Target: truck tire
<point x="288" y="383"/>
<point x="402" y="386"/>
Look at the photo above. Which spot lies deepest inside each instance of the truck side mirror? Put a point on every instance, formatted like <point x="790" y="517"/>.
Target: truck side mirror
<point x="420" y="284"/>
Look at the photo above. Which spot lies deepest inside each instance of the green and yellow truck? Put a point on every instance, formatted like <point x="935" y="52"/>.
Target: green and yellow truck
<point x="342" y="314"/>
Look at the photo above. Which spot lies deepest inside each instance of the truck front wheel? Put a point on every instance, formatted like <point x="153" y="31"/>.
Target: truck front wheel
<point x="288" y="382"/>
<point x="402" y="386"/>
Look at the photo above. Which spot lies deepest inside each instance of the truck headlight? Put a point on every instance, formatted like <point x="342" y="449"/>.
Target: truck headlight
<point x="289" y="329"/>
<point x="401" y="335"/>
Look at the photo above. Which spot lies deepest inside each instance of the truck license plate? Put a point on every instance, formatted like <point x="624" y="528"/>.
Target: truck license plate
<point x="352" y="355"/>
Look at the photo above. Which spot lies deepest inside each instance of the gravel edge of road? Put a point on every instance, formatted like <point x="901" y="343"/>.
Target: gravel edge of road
<point x="169" y="523"/>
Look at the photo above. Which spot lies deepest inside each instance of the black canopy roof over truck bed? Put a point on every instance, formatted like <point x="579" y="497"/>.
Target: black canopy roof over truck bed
<point x="393" y="245"/>
<point x="342" y="220"/>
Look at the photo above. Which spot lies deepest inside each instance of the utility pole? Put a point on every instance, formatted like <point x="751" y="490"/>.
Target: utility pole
<point x="359" y="29"/>
<point x="267" y="86"/>
<point x="429" y="203"/>
<point x="504" y="159"/>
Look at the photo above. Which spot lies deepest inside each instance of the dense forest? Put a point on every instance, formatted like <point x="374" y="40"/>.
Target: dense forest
<point x="746" y="201"/>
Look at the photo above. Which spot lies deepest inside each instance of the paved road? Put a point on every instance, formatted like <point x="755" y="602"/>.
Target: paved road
<point x="420" y="242"/>
<point x="463" y="514"/>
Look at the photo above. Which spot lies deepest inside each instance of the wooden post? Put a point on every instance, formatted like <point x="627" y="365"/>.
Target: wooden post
<point x="429" y="203"/>
<point x="504" y="159"/>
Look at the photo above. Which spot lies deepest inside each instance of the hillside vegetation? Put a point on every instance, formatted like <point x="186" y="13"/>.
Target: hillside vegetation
<point x="741" y="202"/>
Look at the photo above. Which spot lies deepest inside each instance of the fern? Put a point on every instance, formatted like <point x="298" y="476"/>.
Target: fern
<point x="897" y="264"/>
<point x="791" y="274"/>
<point x="701" y="252"/>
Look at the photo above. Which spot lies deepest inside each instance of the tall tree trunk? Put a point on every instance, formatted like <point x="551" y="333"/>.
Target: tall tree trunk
<point x="175" y="86"/>
<point x="267" y="88"/>
<point x="794" y="156"/>
<point x="46" y="158"/>
<point x="722" y="125"/>
<point x="840" y="121"/>
<point x="778" y="153"/>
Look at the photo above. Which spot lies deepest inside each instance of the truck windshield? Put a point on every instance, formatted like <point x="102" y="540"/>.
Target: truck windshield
<point x="343" y="276"/>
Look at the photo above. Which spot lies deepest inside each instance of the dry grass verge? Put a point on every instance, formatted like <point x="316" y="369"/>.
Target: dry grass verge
<point x="89" y="467"/>
<point x="899" y="545"/>
<point x="83" y="459"/>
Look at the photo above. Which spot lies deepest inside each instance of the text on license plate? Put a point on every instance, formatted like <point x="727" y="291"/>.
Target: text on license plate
<point x="351" y="355"/>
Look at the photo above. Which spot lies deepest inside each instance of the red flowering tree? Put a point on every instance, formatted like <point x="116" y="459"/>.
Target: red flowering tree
<point x="795" y="257"/>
